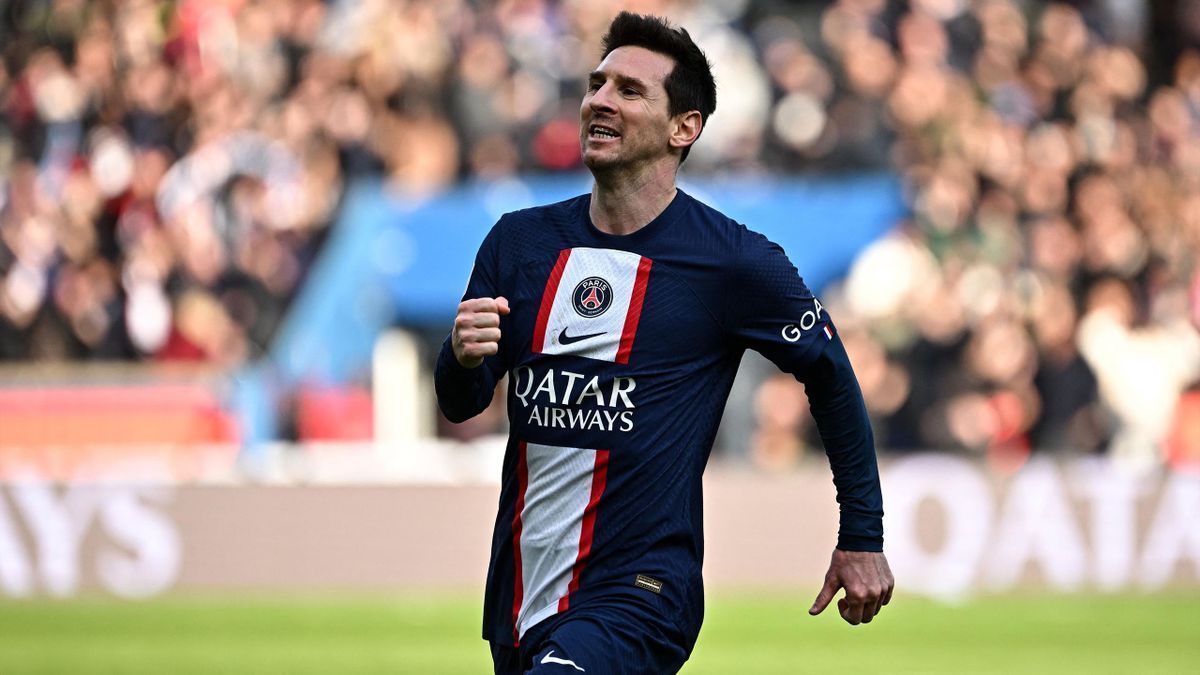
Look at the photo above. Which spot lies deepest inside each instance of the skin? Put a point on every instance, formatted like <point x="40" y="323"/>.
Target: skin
<point x="476" y="332"/>
<point x="1195" y="301"/>
<point x="868" y="582"/>
<point x="635" y="173"/>
<point x="634" y="182"/>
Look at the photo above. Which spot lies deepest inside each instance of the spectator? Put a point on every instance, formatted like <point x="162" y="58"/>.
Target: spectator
<point x="168" y="171"/>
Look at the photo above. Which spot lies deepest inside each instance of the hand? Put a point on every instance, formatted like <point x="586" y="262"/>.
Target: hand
<point x="868" y="582"/>
<point x="476" y="331"/>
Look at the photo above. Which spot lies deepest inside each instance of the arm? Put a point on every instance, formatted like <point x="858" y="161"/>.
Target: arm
<point x="841" y="414"/>
<point x="858" y="563"/>
<point x="779" y="317"/>
<point x="468" y="367"/>
<point x="470" y="362"/>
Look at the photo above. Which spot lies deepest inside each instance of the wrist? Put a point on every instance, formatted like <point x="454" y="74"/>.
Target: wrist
<point x="859" y="543"/>
<point x="467" y="362"/>
<point x="448" y="362"/>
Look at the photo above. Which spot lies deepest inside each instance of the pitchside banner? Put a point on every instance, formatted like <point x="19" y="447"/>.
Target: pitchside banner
<point x="953" y="528"/>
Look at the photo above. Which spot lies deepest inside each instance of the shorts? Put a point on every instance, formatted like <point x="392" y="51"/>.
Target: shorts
<point x="598" y="642"/>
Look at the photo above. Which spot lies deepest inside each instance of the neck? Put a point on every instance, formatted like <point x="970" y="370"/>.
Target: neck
<point x="624" y="202"/>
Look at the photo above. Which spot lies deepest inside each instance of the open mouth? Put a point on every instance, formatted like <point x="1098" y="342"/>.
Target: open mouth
<point x="600" y="131"/>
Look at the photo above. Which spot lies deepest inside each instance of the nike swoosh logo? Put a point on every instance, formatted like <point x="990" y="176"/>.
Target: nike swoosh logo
<point x="564" y="339"/>
<point x="553" y="659"/>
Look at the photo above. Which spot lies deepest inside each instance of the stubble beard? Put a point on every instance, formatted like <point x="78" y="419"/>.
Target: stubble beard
<point x="601" y="164"/>
<point x="606" y="164"/>
<point x="625" y="161"/>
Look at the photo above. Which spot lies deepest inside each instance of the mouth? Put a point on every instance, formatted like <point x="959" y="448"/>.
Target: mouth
<point x="601" y="132"/>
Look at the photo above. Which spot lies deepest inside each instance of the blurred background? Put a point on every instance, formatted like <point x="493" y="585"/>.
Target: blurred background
<point x="233" y="234"/>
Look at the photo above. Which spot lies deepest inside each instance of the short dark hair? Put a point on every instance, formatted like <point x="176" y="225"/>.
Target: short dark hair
<point x="690" y="85"/>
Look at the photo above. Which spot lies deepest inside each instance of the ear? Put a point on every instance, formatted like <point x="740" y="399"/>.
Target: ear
<point x="685" y="129"/>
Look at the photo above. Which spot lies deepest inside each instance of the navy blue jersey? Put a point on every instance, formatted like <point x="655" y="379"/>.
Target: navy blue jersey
<point x="621" y="351"/>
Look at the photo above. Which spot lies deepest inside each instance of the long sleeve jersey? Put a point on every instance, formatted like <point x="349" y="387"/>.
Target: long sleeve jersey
<point x="621" y="351"/>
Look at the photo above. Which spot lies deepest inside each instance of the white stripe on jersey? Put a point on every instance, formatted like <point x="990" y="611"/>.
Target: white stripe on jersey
<point x="559" y="487"/>
<point x="620" y="270"/>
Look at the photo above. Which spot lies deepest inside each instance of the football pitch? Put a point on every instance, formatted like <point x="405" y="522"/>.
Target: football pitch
<point x="743" y="634"/>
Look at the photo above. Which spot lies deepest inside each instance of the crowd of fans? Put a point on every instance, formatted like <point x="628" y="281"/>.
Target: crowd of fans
<point x="1038" y="296"/>
<point x="165" y="176"/>
<point x="168" y="170"/>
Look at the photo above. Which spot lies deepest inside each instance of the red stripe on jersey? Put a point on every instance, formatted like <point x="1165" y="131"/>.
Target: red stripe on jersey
<point x="635" y="310"/>
<point x="599" y="480"/>
<point x="539" y="328"/>
<point x="518" y="583"/>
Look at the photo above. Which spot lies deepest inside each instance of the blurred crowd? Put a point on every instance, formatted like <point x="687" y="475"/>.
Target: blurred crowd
<point x="166" y="178"/>
<point x="168" y="170"/>
<point x="1039" y="295"/>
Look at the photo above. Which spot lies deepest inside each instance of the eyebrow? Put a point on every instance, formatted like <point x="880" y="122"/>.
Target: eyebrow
<point x="621" y="79"/>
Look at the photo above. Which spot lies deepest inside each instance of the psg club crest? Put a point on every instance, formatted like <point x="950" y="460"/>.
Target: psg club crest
<point x="592" y="297"/>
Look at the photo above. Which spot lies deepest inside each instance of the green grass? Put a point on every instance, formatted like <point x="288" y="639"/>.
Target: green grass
<point x="744" y="634"/>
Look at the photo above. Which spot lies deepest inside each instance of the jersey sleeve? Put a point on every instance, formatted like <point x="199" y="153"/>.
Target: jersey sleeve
<point x="837" y="405"/>
<point x="773" y="312"/>
<point x="463" y="393"/>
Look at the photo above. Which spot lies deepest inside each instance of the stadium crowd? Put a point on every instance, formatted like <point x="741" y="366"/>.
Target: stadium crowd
<point x="169" y="169"/>
<point x="1038" y="296"/>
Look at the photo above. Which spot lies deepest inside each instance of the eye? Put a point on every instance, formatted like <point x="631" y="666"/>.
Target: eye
<point x="594" y="85"/>
<point x="630" y="91"/>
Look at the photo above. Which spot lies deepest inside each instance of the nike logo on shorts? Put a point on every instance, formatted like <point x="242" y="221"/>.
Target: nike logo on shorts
<point x="552" y="659"/>
<point x="564" y="339"/>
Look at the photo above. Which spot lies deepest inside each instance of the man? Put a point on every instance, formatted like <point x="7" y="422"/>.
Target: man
<point x="621" y="317"/>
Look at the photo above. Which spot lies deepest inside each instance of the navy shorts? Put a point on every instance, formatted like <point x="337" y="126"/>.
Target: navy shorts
<point x="598" y="642"/>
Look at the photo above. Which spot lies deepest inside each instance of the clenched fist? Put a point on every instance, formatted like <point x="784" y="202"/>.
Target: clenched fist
<point x="477" y="329"/>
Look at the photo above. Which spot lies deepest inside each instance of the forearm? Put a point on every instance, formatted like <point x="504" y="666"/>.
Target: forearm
<point x="837" y="406"/>
<point x="462" y="393"/>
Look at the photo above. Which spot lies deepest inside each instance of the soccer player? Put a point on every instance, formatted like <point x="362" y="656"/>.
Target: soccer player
<point x="620" y="317"/>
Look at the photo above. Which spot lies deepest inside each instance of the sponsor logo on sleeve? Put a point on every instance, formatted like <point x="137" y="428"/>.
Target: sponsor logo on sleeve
<point x="794" y="331"/>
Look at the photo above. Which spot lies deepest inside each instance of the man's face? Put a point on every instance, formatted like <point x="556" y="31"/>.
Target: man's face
<point x="625" y="115"/>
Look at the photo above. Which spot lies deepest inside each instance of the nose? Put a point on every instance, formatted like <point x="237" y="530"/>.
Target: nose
<point x="601" y="100"/>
